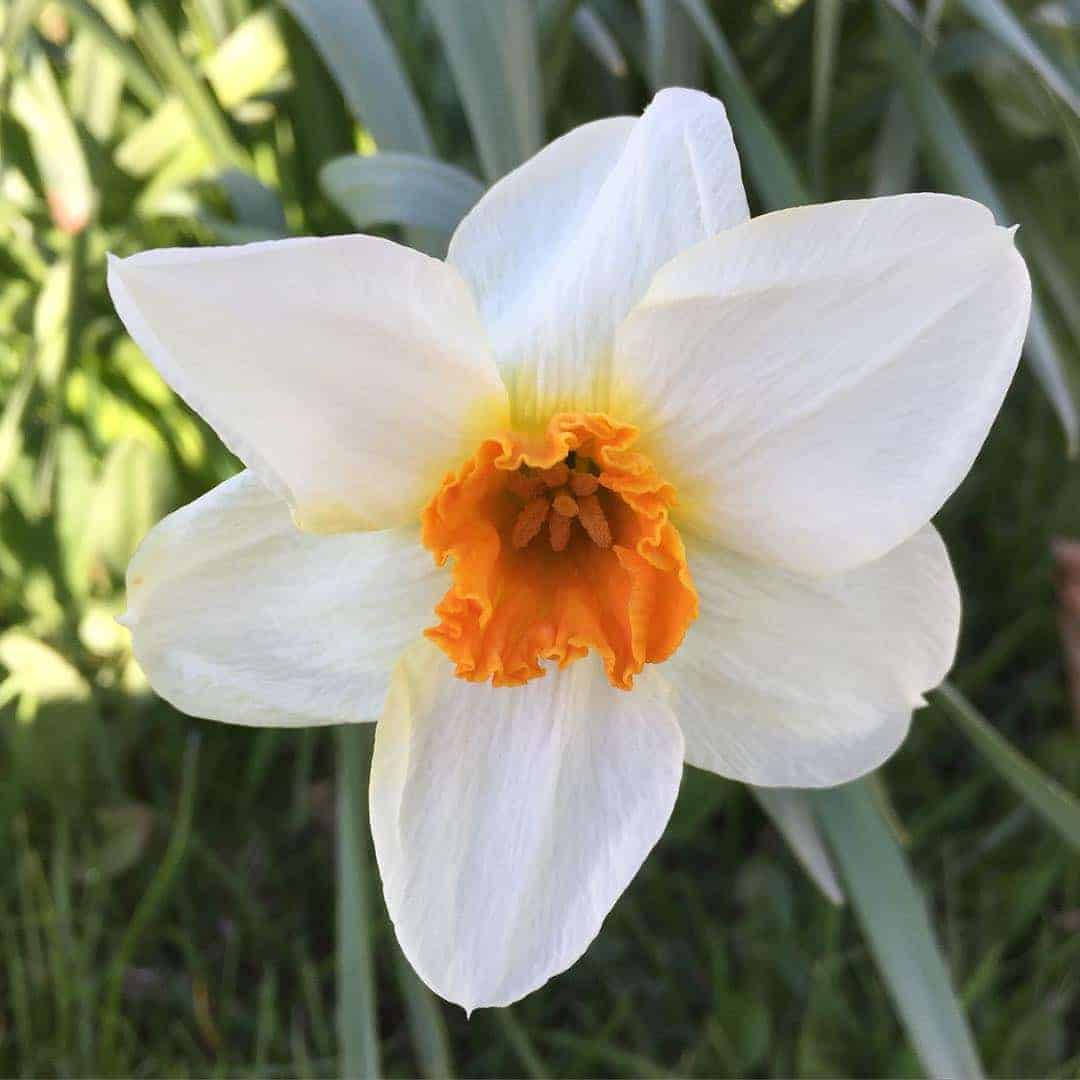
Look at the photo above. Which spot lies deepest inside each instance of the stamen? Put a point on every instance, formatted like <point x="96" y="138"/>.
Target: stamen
<point x="559" y="530"/>
<point x="556" y="476"/>
<point x="529" y="522"/>
<point x="591" y="516"/>
<point x="565" y="504"/>
<point x="524" y="485"/>
<point x="583" y="483"/>
<point x="561" y="593"/>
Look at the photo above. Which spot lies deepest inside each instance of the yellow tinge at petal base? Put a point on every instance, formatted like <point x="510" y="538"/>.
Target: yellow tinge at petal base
<point x="561" y="542"/>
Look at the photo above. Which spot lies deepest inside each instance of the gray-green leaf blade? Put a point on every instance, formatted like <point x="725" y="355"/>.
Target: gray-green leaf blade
<point x="361" y="56"/>
<point x="400" y="189"/>
<point x="492" y="51"/>
<point x="892" y="912"/>
<point x="1043" y="794"/>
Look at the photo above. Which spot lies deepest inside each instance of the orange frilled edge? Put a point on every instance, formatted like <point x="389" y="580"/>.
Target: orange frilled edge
<point x="511" y="607"/>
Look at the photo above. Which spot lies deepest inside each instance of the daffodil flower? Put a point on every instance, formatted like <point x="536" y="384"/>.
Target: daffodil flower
<point x="628" y="481"/>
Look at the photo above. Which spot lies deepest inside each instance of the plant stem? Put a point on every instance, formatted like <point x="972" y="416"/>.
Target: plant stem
<point x="358" y="1038"/>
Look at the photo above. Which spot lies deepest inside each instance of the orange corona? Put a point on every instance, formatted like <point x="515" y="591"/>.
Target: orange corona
<point x="560" y="542"/>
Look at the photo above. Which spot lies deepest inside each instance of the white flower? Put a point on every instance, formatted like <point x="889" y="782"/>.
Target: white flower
<point x="812" y="385"/>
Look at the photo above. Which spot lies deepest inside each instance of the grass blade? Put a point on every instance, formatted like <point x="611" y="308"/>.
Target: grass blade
<point x="425" y="1022"/>
<point x="891" y="910"/>
<point x="358" y="1037"/>
<point x="599" y="40"/>
<point x="792" y="813"/>
<point x="209" y="124"/>
<point x="959" y="167"/>
<point x="400" y="189"/>
<point x="142" y="82"/>
<point x="518" y="1038"/>
<point x="895" y="150"/>
<point x="826" y="35"/>
<point x="672" y="45"/>
<point x="996" y="18"/>
<point x="154" y="897"/>
<point x="1043" y="794"/>
<point x="773" y="172"/>
<point x="358" y="51"/>
<point x="37" y="104"/>
<point x="491" y="48"/>
<point x="254" y="204"/>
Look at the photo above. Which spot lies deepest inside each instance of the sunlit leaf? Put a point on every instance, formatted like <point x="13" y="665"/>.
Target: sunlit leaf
<point x="97" y="26"/>
<point x="184" y="80"/>
<point x="37" y="104"/>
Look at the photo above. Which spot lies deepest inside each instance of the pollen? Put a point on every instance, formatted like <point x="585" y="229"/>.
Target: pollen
<point x="560" y="542"/>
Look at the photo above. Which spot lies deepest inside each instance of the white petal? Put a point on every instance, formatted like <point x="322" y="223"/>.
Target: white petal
<point x="788" y="681"/>
<point x="348" y="372"/>
<point x="508" y="821"/>
<point x="560" y="250"/>
<point x="237" y="615"/>
<point x="818" y="381"/>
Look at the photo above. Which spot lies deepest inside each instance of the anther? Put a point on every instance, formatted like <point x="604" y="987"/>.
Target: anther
<point x="593" y="521"/>
<point x="525" y="486"/>
<point x="556" y="476"/>
<point x="559" y="532"/>
<point x="529" y="522"/>
<point x="565" y="504"/>
<point x="583" y="483"/>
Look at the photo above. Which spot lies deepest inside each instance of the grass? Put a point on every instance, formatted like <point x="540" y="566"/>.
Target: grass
<point x="721" y="959"/>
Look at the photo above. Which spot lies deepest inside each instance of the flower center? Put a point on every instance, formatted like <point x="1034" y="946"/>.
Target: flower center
<point x="561" y="543"/>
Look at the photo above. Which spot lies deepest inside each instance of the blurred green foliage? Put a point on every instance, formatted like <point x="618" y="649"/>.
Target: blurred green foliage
<point x="167" y="901"/>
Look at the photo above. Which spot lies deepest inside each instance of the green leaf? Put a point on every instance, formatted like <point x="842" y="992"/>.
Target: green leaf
<point x="893" y="915"/>
<point x="96" y="85"/>
<point x="248" y="62"/>
<point x="155" y="140"/>
<point x="827" y="15"/>
<point x="771" y="168"/>
<point x="672" y="45"/>
<point x="19" y="18"/>
<point x="94" y="25"/>
<point x="254" y="204"/>
<point x="895" y="151"/>
<point x="491" y="49"/>
<point x="999" y="21"/>
<point x="599" y="40"/>
<point x="1043" y="794"/>
<point x="11" y="417"/>
<point x="168" y="873"/>
<point x="426" y="1023"/>
<point x="37" y="105"/>
<point x="400" y="189"/>
<point x="792" y="813"/>
<point x="358" y="51"/>
<point x="159" y="42"/>
<point x="358" y="1035"/>
<point x="958" y="166"/>
<point x="125" y="833"/>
